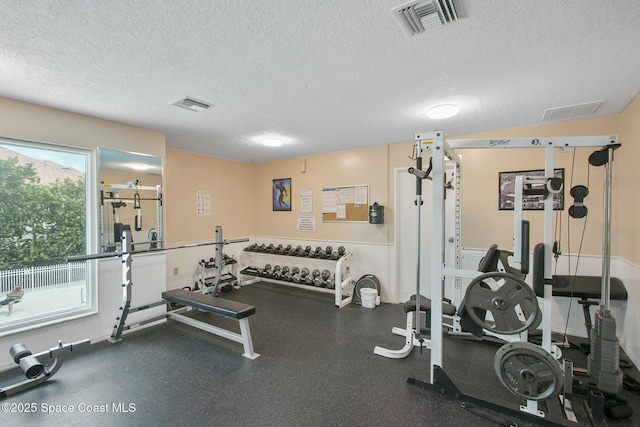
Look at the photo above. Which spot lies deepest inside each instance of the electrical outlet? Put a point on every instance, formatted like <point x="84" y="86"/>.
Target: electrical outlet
<point x="176" y="271"/>
<point x="347" y="269"/>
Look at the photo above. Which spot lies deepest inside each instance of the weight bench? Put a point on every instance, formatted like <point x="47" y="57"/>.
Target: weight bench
<point x="222" y="307"/>
<point x="586" y="288"/>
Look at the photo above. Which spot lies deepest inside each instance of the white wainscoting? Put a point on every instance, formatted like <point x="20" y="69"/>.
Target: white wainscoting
<point x="366" y="259"/>
<point x="627" y="313"/>
<point x="186" y="261"/>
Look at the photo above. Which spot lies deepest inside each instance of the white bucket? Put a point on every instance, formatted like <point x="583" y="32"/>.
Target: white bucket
<point x="368" y="297"/>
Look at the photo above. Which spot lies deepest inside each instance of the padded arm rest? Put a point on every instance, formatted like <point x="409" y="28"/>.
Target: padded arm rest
<point x="587" y="287"/>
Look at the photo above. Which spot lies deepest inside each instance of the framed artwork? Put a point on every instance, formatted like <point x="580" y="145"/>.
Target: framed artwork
<point x="281" y="194"/>
<point x="507" y="188"/>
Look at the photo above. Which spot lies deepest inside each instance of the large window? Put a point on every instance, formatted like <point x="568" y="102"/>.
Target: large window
<point x="45" y="216"/>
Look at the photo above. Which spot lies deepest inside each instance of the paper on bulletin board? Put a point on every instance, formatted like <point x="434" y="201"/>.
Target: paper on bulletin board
<point x="203" y="203"/>
<point x="341" y="211"/>
<point x="306" y="223"/>
<point x="328" y="200"/>
<point x="345" y="195"/>
<point x="306" y="200"/>
<point x="362" y="196"/>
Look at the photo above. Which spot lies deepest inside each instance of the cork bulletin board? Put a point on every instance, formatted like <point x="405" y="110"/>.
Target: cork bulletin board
<point x="349" y="203"/>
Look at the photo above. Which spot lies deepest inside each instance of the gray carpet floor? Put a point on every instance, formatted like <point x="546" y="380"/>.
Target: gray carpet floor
<point x="317" y="368"/>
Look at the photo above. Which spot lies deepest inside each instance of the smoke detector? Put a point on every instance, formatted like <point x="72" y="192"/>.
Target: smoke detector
<point x="416" y="16"/>
<point x="191" y="104"/>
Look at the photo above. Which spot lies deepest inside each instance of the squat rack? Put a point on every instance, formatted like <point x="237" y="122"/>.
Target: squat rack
<point x="434" y="143"/>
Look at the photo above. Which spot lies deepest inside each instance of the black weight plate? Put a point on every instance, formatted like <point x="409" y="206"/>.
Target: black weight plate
<point x="366" y="281"/>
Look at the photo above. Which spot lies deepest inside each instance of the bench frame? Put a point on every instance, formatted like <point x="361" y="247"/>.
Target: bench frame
<point x="244" y="337"/>
<point x="230" y="309"/>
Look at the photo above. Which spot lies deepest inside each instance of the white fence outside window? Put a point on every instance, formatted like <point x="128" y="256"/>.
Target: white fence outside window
<point x="43" y="277"/>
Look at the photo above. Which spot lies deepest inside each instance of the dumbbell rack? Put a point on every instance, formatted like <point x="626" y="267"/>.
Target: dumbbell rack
<point x="209" y="273"/>
<point x="295" y="259"/>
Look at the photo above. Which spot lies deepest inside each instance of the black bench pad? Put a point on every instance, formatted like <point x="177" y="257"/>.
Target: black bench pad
<point x="425" y="305"/>
<point x="232" y="309"/>
<point x="587" y="287"/>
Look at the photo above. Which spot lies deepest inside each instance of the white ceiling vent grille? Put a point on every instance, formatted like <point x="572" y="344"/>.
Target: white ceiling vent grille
<point x="416" y="16"/>
<point x="191" y="104"/>
<point x="571" y="111"/>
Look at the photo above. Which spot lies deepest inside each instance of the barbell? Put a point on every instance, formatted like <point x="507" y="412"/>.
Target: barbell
<point x="118" y="254"/>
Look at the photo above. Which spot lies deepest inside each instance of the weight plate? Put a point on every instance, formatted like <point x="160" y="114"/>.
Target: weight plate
<point x="528" y="371"/>
<point x="366" y="281"/>
<point x="510" y="301"/>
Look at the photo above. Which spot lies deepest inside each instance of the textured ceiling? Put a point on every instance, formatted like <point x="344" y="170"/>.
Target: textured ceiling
<point x="325" y="75"/>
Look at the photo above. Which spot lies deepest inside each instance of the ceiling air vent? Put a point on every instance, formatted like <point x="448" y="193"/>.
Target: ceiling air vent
<point x="191" y="104"/>
<point x="571" y="111"/>
<point x="416" y="16"/>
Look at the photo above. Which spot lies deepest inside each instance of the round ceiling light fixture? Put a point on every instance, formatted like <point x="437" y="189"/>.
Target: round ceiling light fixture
<point x="139" y="167"/>
<point x="272" y="142"/>
<point x="444" y="111"/>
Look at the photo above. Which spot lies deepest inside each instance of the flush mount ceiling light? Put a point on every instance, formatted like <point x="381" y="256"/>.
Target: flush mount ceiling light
<point x="139" y="167"/>
<point x="272" y="142"/>
<point x="440" y="112"/>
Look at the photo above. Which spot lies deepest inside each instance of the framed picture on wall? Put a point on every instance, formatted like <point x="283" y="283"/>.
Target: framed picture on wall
<point x="281" y="194"/>
<point x="507" y="189"/>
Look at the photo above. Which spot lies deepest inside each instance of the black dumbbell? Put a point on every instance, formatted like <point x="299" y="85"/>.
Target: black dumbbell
<point x="308" y="278"/>
<point x="331" y="282"/>
<point x="276" y="272"/>
<point x="266" y="271"/>
<point x="317" y="281"/>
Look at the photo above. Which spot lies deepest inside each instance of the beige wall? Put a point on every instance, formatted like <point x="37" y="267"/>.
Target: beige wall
<point x="626" y="195"/>
<point x="484" y="224"/>
<point x="351" y="167"/>
<point x="26" y="121"/>
<point x="32" y="122"/>
<point x="241" y="193"/>
<point x="232" y="197"/>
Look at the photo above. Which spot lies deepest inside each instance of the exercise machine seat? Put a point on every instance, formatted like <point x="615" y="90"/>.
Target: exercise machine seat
<point x="587" y="287"/>
<point x="425" y="305"/>
<point x="583" y="287"/>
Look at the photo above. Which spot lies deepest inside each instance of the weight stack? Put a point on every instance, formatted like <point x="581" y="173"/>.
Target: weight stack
<point x="603" y="364"/>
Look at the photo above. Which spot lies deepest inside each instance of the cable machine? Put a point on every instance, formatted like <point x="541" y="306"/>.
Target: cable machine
<point x="434" y="143"/>
<point x="110" y="198"/>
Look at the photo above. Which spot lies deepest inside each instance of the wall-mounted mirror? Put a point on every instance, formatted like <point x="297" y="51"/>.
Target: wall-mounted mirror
<point x="130" y="198"/>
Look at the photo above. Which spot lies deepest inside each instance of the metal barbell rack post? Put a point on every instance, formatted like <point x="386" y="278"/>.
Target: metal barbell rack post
<point x="125" y="254"/>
